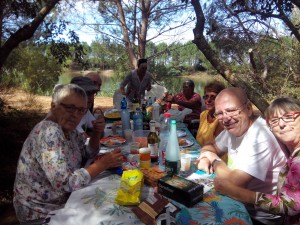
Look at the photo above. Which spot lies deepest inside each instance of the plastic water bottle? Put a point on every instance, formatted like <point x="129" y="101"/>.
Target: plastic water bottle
<point x="163" y="136"/>
<point x="155" y="112"/>
<point x="138" y="120"/>
<point x="172" y="156"/>
<point x="125" y="115"/>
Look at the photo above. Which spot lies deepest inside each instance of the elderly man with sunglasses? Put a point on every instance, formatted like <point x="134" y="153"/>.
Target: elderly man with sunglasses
<point x="255" y="157"/>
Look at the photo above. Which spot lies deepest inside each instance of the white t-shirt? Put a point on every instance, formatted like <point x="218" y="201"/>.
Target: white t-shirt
<point x="85" y="122"/>
<point x="258" y="153"/>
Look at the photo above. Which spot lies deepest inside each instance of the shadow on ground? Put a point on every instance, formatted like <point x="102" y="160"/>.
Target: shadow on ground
<point x="15" y="127"/>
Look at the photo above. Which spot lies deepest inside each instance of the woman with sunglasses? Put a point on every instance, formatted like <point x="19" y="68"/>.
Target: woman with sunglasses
<point x="209" y="127"/>
<point x="283" y="118"/>
<point x="51" y="163"/>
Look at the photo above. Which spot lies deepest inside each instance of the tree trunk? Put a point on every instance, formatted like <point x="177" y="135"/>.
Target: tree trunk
<point x="25" y="32"/>
<point x="128" y="45"/>
<point x="224" y="70"/>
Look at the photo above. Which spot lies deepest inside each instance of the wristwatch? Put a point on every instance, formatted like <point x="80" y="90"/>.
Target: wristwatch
<point x="216" y="160"/>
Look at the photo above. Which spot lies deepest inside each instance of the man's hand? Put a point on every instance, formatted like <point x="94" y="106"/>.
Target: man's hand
<point x="98" y="126"/>
<point x="211" y="156"/>
<point x="205" y="161"/>
<point x="205" y="165"/>
<point x="222" y="185"/>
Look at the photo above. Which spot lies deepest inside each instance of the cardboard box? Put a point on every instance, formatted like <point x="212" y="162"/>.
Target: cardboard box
<point x="181" y="190"/>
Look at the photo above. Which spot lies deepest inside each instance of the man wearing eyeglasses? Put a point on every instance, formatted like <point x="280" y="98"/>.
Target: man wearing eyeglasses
<point x="255" y="157"/>
<point x="88" y="121"/>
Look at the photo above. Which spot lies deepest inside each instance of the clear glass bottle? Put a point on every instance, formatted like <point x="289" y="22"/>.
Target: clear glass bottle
<point x="153" y="142"/>
<point x="172" y="155"/>
<point x="163" y="137"/>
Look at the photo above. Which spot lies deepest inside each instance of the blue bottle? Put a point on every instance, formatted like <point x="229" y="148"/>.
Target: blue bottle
<point x="124" y="103"/>
<point x="138" y="120"/>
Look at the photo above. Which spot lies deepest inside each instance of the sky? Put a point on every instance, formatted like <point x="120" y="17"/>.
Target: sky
<point x="88" y="35"/>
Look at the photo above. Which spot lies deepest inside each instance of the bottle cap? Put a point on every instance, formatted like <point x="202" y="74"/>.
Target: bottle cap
<point x="173" y="121"/>
<point x="167" y="115"/>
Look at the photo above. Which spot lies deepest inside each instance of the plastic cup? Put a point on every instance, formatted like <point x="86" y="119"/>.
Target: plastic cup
<point x="185" y="162"/>
<point x="128" y="135"/>
<point x="145" y="159"/>
<point x="134" y="147"/>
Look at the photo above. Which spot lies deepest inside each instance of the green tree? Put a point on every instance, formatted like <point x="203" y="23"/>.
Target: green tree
<point x="136" y="23"/>
<point x="37" y="70"/>
<point x="243" y="33"/>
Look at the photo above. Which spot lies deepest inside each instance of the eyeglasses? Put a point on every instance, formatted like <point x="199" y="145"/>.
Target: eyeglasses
<point x="287" y="117"/>
<point x="72" y="109"/>
<point x="211" y="97"/>
<point x="229" y="112"/>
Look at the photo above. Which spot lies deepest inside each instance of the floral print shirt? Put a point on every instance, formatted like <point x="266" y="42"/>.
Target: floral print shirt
<point x="287" y="200"/>
<point x="50" y="167"/>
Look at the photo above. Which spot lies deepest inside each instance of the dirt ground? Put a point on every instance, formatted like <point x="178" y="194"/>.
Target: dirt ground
<point x="20" y="112"/>
<point x="21" y="100"/>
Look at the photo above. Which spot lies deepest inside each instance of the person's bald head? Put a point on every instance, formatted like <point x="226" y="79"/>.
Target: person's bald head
<point x="234" y="110"/>
<point x="95" y="77"/>
<point x="238" y="94"/>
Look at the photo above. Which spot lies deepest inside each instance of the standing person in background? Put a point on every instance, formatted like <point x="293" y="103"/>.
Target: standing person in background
<point x="51" y="165"/>
<point x="255" y="157"/>
<point x="283" y="118"/>
<point x="209" y="126"/>
<point x="95" y="77"/>
<point x="137" y="81"/>
<point x="187" y="99"/>
<point x="88" y="121"/>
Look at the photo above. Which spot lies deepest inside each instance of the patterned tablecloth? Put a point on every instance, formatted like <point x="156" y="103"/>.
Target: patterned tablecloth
<point x="95" y="204"/>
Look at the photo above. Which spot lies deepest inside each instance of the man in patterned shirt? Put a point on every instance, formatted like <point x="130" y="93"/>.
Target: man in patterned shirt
<point x="187" y="99"/>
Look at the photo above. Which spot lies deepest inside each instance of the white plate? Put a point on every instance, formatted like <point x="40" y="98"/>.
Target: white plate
<point x="181" y="133"/>
<point x="185" y="142"/>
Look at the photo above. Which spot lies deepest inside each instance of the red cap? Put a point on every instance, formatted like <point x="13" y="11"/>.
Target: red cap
<point x="167" y="114"/>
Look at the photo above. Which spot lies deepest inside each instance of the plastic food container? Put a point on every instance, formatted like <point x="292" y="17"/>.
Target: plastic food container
<point x="140" y="136"/>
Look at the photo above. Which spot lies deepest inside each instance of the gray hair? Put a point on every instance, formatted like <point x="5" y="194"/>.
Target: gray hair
<point x="285" y="104"/>
<point x="60" y="91"/>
